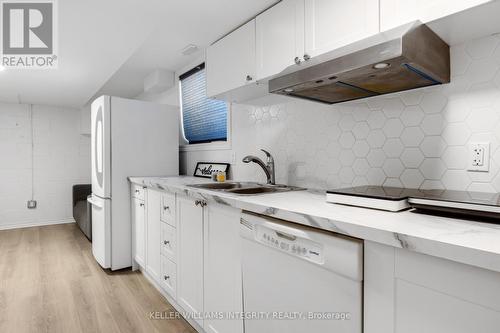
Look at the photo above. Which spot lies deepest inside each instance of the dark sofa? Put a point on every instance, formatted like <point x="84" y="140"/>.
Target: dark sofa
<point x="82" y="212"/>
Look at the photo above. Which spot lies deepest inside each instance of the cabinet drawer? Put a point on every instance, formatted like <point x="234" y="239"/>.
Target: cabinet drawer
<point x="168" y="241"/>
<point x="169" y="276"/>
<point x="168" y="208"/>
<point x="138" y="192"/>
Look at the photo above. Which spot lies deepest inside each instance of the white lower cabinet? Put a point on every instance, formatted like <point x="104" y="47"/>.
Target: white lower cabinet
<point x="198" y="264"/>
<point x="192" y="252"/>
<point x="408" y="292"/>
<point x="190" y="257"/>
<point x="222" y="273"/>
<point x="209" y="263"/>
<point x="153" y="234"/>
<point x="139" y="225"/>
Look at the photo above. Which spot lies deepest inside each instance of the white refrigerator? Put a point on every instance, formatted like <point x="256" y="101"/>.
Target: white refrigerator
<point x="128" y="138"/>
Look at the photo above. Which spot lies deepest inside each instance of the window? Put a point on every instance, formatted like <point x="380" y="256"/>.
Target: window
<point x="203" y="119"/>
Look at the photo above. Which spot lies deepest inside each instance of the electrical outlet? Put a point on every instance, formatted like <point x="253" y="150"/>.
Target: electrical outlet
<point x="479" y="156"/>
<point x="31" y="204"/>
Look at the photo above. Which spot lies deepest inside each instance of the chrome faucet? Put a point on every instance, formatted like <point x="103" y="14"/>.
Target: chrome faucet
<point x="267" y="167"/>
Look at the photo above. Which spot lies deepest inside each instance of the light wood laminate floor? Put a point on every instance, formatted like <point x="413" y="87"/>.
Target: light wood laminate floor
<point x="49" y="282"/>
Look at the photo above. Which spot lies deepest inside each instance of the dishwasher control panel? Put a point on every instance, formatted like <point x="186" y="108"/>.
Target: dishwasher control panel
<point x="291" y="244"/>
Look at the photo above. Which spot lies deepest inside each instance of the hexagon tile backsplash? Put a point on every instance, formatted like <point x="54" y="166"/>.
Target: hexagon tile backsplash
<point x="414" y="139"/>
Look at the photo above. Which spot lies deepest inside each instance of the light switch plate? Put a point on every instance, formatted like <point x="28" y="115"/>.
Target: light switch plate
<point x="479" y="156"/>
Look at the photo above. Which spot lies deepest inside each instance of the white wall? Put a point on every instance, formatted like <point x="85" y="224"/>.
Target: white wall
<point x="61" y="159"/>
<point x="413" y="139"/>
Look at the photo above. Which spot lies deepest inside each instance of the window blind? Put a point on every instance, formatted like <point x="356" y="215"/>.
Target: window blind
<point x="204" y="119"/>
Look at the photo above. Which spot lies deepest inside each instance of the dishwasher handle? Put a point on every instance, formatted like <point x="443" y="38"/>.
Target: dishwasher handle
<point x="285" y="235"/>
<point x="336" y="253"/>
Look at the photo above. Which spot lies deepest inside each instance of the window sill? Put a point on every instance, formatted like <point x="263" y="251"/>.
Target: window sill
<point x="206" y="146"/>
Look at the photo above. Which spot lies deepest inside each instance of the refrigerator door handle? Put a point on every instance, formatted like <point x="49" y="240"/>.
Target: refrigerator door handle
<point x="94" y="203"/>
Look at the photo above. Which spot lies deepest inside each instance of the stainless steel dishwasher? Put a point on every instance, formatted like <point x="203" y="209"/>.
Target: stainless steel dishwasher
<point x="299" y="279"/>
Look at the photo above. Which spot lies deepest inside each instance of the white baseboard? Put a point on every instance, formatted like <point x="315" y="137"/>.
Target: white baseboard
<point x="35" y="224"/>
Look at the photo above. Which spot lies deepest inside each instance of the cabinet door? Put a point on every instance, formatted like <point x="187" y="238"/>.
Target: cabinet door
<point x="138" y="191"/>
<point x="231" y="61"/>
<point x="398" y="12"/>
<point x="153" y="244"/>
<point x="139" y="223"/>
<point x="402" y="297"/>
<point x="279" y="37"/>
<point x="190" y="256"/>
<point x="222" y="259"/>
<point x="455" y="298"/>
<point x="330" y="24"/>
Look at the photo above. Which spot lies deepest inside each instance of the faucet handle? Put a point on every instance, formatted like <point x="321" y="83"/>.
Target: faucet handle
<point x="268" y="154"/>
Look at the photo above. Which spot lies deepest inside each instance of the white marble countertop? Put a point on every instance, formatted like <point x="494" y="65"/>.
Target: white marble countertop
<point x="464" y="241"/>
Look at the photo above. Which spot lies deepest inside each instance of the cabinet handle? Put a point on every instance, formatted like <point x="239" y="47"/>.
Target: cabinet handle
<point x="249" y="78"/>
<point x="166" y="242"/>
<point x="197" y="202"/>
<point x="297" y="60"/>
<point x="141" y="204"/>
<point x="166" y="208"/>
<point x="136" y="191"/>
<point x="307" y="57"/>
<point x="203" y="203"/>
<point x="166" y="277"/>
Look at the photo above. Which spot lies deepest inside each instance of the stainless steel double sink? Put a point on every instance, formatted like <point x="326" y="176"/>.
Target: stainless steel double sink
<point x="246" y="188"/>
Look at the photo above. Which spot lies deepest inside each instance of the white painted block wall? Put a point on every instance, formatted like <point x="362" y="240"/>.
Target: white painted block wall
<point x="61" y="156"/>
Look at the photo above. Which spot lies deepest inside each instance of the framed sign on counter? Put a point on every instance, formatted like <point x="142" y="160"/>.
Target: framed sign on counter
<point x="206" y="169"/>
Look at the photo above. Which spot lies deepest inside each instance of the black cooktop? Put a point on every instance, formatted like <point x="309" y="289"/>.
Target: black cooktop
<point x="447" y="201"/>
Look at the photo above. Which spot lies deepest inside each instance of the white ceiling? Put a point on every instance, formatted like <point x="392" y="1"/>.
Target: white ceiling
<point x="110" y="46"/>
<point x="469" y="24"/>
<point x="184" y="22"/>
<point x="95" y="38"/>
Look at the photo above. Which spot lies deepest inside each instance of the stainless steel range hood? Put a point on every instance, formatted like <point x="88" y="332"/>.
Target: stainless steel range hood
<point x="407" y="57"/>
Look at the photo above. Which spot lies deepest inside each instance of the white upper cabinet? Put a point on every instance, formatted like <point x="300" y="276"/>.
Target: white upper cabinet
<point x="280" y="37"/>
<point x="330" y="24"/>
<point x="295" y="30"/>
<point x="231" y="61"/>
<point x="397" y="12"/>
